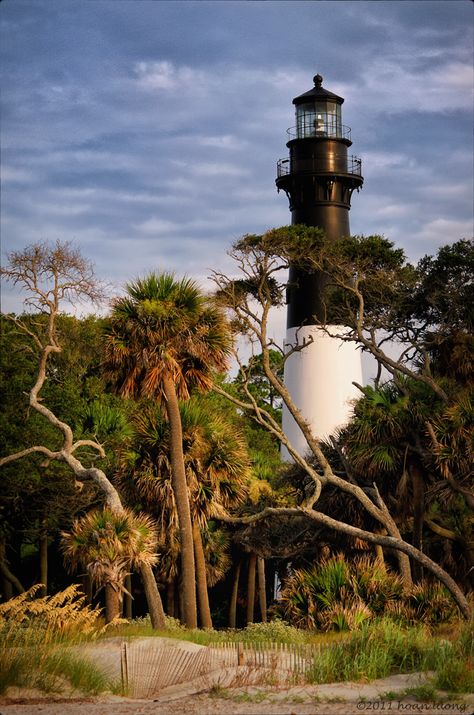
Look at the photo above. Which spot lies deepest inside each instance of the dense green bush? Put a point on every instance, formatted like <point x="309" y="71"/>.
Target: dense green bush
<point x="341" y="595"/>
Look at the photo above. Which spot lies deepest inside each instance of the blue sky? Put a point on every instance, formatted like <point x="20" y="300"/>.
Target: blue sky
<point x="148" y="132"/>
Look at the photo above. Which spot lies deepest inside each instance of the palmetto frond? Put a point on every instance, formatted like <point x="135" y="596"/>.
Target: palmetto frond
<point x="216" y="462"/>
<point x="164" y="327"/>
<point x="216" y="543"/>
<point x="107" y="544"/>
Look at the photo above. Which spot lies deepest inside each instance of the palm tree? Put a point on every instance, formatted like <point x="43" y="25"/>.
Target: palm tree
<point x="165" y="339"/>
<point x="107" y="545"/>
<point x="217" y="468"/>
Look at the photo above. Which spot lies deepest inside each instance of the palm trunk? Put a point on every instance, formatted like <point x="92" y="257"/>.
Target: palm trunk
<point x="155" y="605"/>
<point x="180" y="599"/>
<point x="87" y="587"/>
<point x="43" y="560"/>
<point x="201" y="579"/>
<point x="181" y="496"/>
<point x="127" y="598"/>
<point x="233" y="597"/>
<point x="251" y="588"/>
<point x="262" y="588"/>
<point x="112" y="603"/>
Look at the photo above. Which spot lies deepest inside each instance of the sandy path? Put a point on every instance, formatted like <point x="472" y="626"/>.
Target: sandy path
<point x="205" y="705"/>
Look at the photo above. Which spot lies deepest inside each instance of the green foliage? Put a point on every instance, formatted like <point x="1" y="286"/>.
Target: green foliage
<point x="339" y="595"/>
<point x="217" y="466"/>
<point x="429" y="603"/>
<point x="376" y="651"/>
<point x="275" y="631"/>
<point x="445" y="294"/>
<point x="40" y="498"/>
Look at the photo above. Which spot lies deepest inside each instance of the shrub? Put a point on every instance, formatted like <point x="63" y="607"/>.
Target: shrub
<point x="339" y="595"/>
<point x="431" y="603"/>
<point x="275" y="631"/>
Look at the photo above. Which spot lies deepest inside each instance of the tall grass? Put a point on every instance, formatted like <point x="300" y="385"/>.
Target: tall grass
<point x="36" y="635"/>
<point x="385" y="648"/>
<point x="456" y="674"/>
<point x="376" y="651"/>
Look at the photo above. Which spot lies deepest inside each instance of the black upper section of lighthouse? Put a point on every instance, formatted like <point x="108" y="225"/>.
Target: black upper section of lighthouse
<point x="318" y="178"/>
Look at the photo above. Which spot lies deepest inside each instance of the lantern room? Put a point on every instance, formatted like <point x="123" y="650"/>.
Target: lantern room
<point x="318" y="113"/>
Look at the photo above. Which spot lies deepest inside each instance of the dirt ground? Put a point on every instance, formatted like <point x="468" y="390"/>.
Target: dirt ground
<point x="293" y="701"/>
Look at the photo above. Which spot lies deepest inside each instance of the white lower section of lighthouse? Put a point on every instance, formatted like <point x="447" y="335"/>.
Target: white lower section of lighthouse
<point x="319" y="379"/>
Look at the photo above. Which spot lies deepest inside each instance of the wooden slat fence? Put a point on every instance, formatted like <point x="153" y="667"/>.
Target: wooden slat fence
<point x="146" y="670"/>
<point x="293" y="657"/>
<point x="149" y="667"/>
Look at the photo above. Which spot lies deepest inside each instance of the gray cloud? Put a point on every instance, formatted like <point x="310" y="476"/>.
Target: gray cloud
<point x="148" y="133"/>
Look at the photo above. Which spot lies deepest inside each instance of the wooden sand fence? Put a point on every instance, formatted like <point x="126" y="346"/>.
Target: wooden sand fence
<point x="291" y="657"/>
<point x="147" y="668"/>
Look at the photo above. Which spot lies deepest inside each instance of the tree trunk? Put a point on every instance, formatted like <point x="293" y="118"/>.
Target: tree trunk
<point x="5" y="571"/>
<point x="180" y="600"/>
<point x="251" y="588"/>
<point x="201" y="579"/>
<point x="112" y="603"/>
<point x="181" y="496"/>
<point x="87" y="587"/>
<point x="233" y="597"/>
<point x="43" y="560"/>
<point x="7" y="589"/>
<point x="127" y="598"/>
<point x="379" y="555"/>
<point x="171" y="598"/>
<point x="418" y="487"/>
<point x="468" y="549"/>
<point x="262" y="588"/>
<point x="155" y="605"/>
<point x="393" y="530"/>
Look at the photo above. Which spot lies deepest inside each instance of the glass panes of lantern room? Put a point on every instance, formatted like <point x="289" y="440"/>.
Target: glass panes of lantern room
<point x="318" y="119"/>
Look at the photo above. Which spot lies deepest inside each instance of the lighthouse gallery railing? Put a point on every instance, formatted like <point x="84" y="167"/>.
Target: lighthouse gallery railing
<point x="319" y="165"/>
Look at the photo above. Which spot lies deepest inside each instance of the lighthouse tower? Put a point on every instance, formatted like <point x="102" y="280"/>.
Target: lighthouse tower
<point x="318" y="178"/>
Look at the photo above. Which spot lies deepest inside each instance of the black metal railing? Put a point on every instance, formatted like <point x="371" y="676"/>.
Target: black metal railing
<point x="320" y="165"/>
<point x="327" y="130"/>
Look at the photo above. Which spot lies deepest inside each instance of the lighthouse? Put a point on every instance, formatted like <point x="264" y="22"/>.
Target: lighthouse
<point x="318" y="178"/>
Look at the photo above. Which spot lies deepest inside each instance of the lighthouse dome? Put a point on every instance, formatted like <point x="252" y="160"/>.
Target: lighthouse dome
<point x="318" y="112"/>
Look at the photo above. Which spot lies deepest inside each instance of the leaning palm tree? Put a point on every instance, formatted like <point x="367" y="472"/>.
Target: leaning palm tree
<point x="217" y="469"/>
<point x="107" y="545"/>
<point x="165" y="339"/>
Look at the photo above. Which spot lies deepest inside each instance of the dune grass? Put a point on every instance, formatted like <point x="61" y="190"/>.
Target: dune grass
<point x="36" y="640"/>
<point x="385" y="648"/>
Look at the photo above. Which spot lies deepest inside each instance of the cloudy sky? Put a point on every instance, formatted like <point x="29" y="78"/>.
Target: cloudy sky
<point x="148" y="132"/>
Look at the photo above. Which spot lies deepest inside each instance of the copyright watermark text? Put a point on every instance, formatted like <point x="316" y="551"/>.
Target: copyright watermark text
<point x="400" y="706"/>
